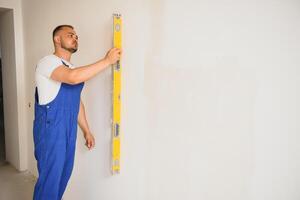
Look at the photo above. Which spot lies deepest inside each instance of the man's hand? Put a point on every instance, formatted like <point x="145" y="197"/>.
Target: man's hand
<point x="113" y="55"/>
<point x="89" y="140"/>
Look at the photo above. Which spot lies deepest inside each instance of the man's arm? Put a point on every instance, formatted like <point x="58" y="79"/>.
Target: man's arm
<point x="81" y="74"/>
<point x="83" y="124"/>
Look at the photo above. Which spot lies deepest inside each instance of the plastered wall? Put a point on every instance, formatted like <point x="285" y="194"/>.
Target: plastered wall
<point x="210" y="97"/>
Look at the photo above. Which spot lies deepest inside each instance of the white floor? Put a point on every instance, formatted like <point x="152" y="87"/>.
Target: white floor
<point x="15" y="185"/>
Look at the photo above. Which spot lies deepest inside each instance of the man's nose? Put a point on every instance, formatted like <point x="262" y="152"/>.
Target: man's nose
<point x="75" y="37"/>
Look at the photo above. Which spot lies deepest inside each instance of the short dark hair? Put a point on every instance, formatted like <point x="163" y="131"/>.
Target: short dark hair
<point x="58" y="28"/>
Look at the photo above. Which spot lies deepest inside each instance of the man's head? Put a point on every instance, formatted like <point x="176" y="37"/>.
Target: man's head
<point x="65" y="37"/>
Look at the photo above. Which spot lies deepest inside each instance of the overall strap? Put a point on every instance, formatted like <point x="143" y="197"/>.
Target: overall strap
<point x="64" y="63"/>
<point x="36" y="95"/>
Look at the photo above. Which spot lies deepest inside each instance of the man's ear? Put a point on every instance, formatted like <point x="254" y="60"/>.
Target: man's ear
<point x="57" y="39"/>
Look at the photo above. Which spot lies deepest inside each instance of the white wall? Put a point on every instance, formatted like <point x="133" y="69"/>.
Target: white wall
<point x="210" y="97"/>
<point x="222" y="89"/>
<point x="14" y="85"/>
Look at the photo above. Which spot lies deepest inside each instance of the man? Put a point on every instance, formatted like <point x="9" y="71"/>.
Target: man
<point x="58" y="109"/>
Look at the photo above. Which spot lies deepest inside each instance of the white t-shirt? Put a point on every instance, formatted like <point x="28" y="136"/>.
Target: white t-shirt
<point x="48" y="88"/>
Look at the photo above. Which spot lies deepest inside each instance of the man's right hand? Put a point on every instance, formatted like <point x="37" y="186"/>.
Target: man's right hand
<point x="113" y="55"/>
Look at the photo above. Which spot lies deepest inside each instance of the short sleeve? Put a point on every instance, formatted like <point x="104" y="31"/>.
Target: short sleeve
<point x="47" y="65"/>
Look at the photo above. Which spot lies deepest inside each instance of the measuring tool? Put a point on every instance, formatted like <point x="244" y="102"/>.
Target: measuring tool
<point x="116" y="97"/>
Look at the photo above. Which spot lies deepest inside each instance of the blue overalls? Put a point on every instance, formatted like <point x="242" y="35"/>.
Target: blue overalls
<point x="55" y="133"/>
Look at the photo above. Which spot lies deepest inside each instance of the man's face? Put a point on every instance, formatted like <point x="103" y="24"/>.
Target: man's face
<point x="68" y="39"/>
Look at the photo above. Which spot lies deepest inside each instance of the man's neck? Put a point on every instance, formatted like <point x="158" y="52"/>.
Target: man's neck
<point x="66" y="55"/>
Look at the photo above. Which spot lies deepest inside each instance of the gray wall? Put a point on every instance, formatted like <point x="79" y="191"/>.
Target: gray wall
<point x="2" y="138"/>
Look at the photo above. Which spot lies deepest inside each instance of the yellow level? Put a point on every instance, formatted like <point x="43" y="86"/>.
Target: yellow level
<point x="116" y="97"/>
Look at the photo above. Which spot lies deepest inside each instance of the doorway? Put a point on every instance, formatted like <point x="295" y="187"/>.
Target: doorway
<point x="8" y="91"/>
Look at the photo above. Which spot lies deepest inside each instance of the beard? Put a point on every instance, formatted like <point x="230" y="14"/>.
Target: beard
<point x="70" y="49"/>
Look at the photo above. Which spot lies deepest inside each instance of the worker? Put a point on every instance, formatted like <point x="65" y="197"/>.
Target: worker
<point x="58" y="110"/>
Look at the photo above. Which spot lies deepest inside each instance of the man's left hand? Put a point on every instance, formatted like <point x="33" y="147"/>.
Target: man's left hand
<point x="89" y="140"/>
